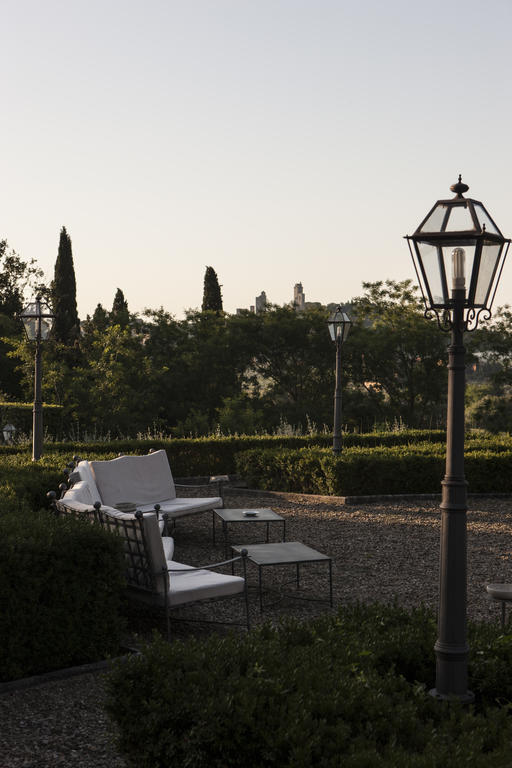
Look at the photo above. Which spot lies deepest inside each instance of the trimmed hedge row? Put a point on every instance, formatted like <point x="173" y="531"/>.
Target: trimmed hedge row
<point x="20" y="415"/>
<point x="347" y="690"/>
<point x="358" y="471"/>
<point x="215" y="455"/>
<point x="279" y="463"/>
<point x="60" y="593"/>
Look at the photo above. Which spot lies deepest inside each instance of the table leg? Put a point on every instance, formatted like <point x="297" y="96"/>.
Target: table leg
<point x="225" y="532"/>
<point x="267" y="532"/>
<point x="260" y="584"/>
<point x="298" y="576"/>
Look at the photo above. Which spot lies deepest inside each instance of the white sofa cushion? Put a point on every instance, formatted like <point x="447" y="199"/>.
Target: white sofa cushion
<point x="80" y="492"/>
<point x="155" y="547"/>
<point x="183" y="506"/>
<point x="84" y="470"/>
<point x="200" y="585"/>
<point x="141" y="479"/>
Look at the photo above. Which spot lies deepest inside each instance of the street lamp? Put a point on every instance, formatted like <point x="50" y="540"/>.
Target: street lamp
<point x="38" y="320"/>
<point x="339" y="327"/>
<point x="8" y="431"/>
<point x="458" y="254"/>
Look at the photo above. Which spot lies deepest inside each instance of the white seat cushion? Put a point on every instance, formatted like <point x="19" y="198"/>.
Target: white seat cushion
<point x="182" y="506"/>
<point x="200" y="585"/>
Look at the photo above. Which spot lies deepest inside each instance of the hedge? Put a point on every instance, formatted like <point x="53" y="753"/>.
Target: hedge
<point x="21" y="416"/>
<point x="350" y="689"/>
<point x="358" y="471"/>
<point x="61" y="586"/>
<point x="278" y="463"/>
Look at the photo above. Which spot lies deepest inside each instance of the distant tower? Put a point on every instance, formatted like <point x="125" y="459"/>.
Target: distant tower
<point x="299" y="298"/>
<point x="261" y="302"/>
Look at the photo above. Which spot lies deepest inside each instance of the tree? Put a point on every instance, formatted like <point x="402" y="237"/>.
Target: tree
<point x="66" y="328"/>
<point x="16" y="276"/>
<point x="120" y="315"/>
<point x="396" y="356"/>
<point x="212" y="296"/>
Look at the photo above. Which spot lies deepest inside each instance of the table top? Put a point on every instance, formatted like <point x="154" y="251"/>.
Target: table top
<point x="280" y="553"/>
<point x="240" y="516"/>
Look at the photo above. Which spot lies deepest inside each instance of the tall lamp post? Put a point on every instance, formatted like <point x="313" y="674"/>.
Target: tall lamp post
<point x="458" y="254"/>
<point x="339" y="327"/>
<point x="38" y="321"/>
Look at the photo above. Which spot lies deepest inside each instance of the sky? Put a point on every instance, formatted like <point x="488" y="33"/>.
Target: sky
<point x="278" y="141"/>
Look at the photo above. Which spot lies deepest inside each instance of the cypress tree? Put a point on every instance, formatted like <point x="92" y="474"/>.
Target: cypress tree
<point x="212" y="296"/>
<point x="120" y="315"/>
<point x="66" y="326"/>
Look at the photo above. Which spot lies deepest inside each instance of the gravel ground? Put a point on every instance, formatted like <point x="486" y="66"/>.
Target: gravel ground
<point x="381" y="551"/>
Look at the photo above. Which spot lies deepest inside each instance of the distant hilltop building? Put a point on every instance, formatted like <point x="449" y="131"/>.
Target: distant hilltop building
<point x="299" y="297"/>
<point x="261" y="302"/>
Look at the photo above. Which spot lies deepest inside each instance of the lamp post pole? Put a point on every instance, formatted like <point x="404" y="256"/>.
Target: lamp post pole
<point x="458" y="254"/>
<point x="451" y="647"/>
<point x="37" y="421"/>
<point x="38" y="320"/>
<point x="339" y="324"/>
<point x="337" y="438"/>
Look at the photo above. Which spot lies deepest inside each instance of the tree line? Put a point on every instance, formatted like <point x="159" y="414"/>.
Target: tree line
<point x="123" y="373"/>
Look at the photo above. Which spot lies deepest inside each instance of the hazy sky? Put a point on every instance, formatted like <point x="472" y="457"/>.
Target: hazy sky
<point x="276" y="140"/>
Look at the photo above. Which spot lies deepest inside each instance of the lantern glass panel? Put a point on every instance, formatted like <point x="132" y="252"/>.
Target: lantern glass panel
<point x="484" y="218"/>
<point x="460" y="219"/>
<point x="488" y="265"/>
<point x="433" y="268"/>
<point x="46" y="327"/>
<point x="435" y="221"/>
<point x="469" y="258"/>
<point x="31" y="327"/>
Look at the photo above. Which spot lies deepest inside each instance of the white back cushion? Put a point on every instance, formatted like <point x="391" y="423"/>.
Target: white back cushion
<point x="155" y="547"/>
<point x="84" y="470"/>
<point x="140" y="479"/>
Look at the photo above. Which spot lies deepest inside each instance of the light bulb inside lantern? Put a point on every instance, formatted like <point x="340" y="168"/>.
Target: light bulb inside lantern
<point x="458" y="268"/>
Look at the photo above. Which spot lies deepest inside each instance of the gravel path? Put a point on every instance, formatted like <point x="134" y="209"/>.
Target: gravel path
<point x="381" y="551"/>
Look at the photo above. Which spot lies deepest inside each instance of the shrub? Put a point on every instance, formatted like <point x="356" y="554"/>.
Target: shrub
<point x="347" y="690"/>
<point x="60" y="593"/>
<point x="398" y="469"/>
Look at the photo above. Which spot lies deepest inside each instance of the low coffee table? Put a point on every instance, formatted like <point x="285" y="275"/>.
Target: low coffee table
<point x="246" y="516"/>
<point x="283" y="553"/>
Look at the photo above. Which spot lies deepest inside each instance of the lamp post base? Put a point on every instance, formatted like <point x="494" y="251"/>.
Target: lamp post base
<point x="464" y="698"/>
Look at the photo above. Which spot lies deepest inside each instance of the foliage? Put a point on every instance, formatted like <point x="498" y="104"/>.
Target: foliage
<point x="60" y="593"/>
<point x="120" y="314"/>
<point x="66" y="326"/>
<point x="398" y="469"/>
<point x="345" y="690"/>
<point x="396" y="356"/>
<point x="16" y="276"/>
<point x="212" y="296"/>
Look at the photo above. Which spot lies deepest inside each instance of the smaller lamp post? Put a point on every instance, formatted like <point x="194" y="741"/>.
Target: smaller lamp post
<point x="38" y="320"/>
<point x="8" y="431"/>
<point x="339" y="327"/>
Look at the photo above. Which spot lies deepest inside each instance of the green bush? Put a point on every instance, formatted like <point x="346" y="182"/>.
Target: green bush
<point x="60" y="593"/>
<point x="398" y="469"/>
<point x="349" y="690"/>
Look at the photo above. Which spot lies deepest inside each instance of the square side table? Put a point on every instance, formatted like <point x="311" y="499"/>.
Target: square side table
<point x="253" y="516"/>
<point x="283" y="553"/>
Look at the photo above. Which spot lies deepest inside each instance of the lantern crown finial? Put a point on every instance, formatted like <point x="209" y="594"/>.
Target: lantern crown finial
<point x="459" y="188"/>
